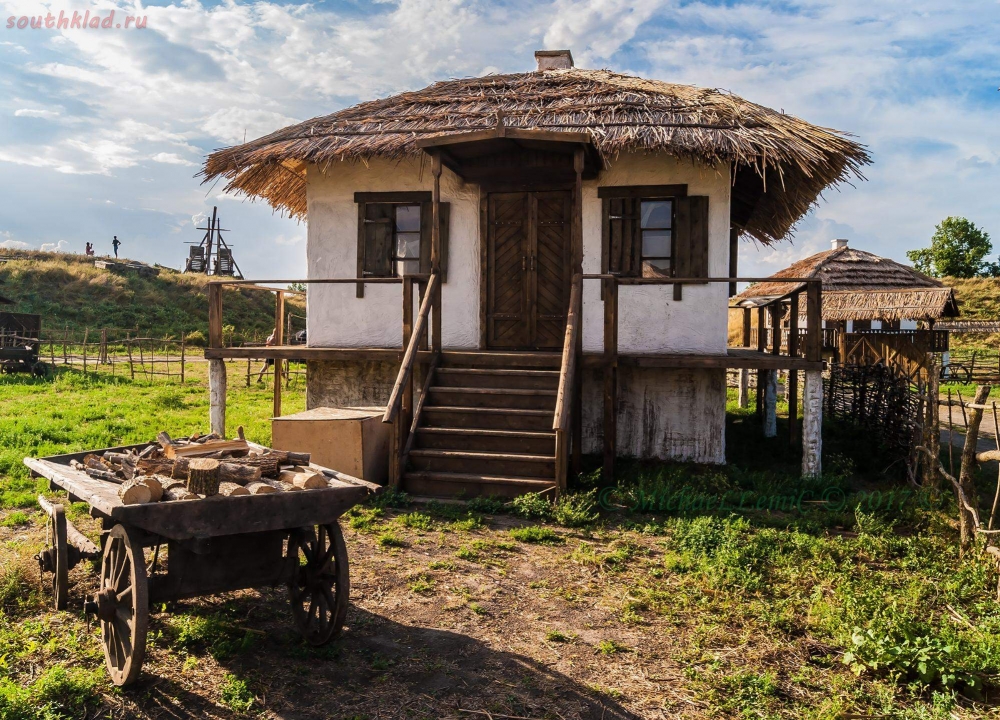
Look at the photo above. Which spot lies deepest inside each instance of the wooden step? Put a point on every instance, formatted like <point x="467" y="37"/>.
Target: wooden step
<point x="525" y="399"/>
<point x="497" y="378"/>
<point x="506" y="360"/>
<point x="487" y="463"/>
<point x="470" y="485"/>
<point x="477" y="417"/>
<point x="478" y="439"/>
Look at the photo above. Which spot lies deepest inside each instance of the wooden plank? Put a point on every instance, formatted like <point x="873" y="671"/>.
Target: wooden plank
<point x="207" y="448"/>
<point x="303" y="352"/>
<point x="814" y="321"/>
<point x="436" y="250"/>
<point x="642" y="191"/>
<point x="747" y="322"/>
<point x="361" y="246"/>
<point x="734" y="256"/>
<point x="793" y="375"/>
<point x="406" y="367"/>
<point x="279" y="339"/>
<point x="610" y="379"/>
<point x="392" y="197"/>
<point x="101" y="496"/>
<point x="214" y="315"/>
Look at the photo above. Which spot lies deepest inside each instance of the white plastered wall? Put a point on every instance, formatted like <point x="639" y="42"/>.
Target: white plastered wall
<point x="336" y="317"/>
<point x="649" y="320"/>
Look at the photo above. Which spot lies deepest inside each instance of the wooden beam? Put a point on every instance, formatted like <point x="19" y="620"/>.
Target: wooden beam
<point x="610" y="378"/>
<point x="814" y="321"/>
<point x="747" y="323"/>
<point x="734" y="256"/>
<point x="775" y="310"/>
<point x="436" y="248"/>
<point x="214" y="315"/>
<point x="279" y="339"/>
<point x="406" y="409"/>
<point x="761" y="332"/>
<point x="793" y="375"/>
<point x="419" y="327"/>
<point x="577" y="228"/>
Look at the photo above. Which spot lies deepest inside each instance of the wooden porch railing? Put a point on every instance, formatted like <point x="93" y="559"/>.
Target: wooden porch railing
<point x="562" y="419"/>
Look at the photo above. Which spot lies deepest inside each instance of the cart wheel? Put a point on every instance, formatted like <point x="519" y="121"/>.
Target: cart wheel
<point x="40" y="369"/>
<point x="122" y="605"/>
<point x="320" y="583"/>
<point x="54" y="558"/>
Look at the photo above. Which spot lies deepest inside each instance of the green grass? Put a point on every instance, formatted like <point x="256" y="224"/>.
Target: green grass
<point x="536" y="534"/>
<point x="235" y="694"/>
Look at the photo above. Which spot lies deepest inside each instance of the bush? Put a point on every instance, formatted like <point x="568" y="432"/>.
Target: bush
<point x="235" y="694"/>
<point x="196" y="338"/>
<point x="56" y="693"/>
<point x="578" y="510"/>
<point x="488" y="504"/>
<point x="532" y="506"/>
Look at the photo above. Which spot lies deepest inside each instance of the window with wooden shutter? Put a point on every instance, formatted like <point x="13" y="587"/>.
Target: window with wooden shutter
<point x="394" y="235"/>
<point x="654" y="231"/>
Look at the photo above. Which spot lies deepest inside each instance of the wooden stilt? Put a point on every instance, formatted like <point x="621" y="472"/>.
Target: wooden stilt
<point x="279" y="331"/>
<point x="610" y="378"/>
<point x="812" y="424"/>
<point x="217" y="396"/>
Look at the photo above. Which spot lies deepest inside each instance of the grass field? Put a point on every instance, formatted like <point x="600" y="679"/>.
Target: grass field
<point x="694" y="592"/>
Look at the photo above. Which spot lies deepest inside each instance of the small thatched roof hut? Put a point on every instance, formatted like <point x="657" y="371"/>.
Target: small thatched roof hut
<point x="859" y="285"/>
<point x="780" y="163"/>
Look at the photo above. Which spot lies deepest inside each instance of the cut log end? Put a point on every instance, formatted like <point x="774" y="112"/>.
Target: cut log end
<point x="134" y="492"/>
<point x="260" y="488"/>
<point x="203" y="476"/>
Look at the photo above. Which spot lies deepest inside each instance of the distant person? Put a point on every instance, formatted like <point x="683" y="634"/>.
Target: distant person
<point x="116" y="244"/>
<point x="90" y="249"/>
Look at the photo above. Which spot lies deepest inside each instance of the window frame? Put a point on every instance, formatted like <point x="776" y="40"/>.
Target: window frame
<point x="419" y="199"/>
<point x="639" y="193"/>
<point x="642" y="230"/>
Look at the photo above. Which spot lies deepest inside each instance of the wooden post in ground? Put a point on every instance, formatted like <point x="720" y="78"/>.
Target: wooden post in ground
<point x="131" y="365"/>
<point x="217" y="396"/>
<point x="86" y="331"/>
<point x="103" y="358"/>
<point x="182" y="359"/>
<point x="576" y="225"/>
<point x="932" y="425"/>
<point x="610" y="377"/>
<point x="405" y="417"/>
<point x="770" y="418"/>
<point x="812" y="424"/>
<point x="436" y="251"/>
<point x="793" y="375"/>
<point x="744" y="386"/>
<point x="65" y="343"/>
<point x="967" y="470"/>
<point x="279" y="340"/>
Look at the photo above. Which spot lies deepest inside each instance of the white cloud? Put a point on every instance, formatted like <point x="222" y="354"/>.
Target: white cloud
<point x="171" y="159"/>
<point x="8" y="242"/>
<point x="54" y="247"/>
<point x="234" y="125"/>
<point x="36" y="113"/>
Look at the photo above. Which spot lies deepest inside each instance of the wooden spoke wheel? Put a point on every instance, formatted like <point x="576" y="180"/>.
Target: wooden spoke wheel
<point x="55" y="558"/>
<point x="320" y="581"/>
<point x="122" y="605"/>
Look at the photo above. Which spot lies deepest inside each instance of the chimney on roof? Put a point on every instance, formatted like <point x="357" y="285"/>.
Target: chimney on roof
<point x="553" y="59"/>
<point x="839" y="243"/>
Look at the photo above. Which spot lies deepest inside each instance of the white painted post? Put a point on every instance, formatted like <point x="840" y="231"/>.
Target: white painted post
<point x="217" y="396"/>
<point x="744" y="393"/>
<point x="812" y="424"/>
<point x="770" y="403"/>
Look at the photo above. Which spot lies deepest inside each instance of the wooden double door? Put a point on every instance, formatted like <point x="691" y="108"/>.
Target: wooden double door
<point x="528" y="268"/>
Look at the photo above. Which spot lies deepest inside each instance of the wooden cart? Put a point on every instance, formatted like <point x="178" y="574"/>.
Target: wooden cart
<point x="213" y="545"/>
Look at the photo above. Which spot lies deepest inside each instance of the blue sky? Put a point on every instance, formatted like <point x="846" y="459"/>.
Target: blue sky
<point x="102" y="131"/>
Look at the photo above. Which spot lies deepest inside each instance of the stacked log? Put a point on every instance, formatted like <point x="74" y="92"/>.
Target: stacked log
<point x="203" y="476"/>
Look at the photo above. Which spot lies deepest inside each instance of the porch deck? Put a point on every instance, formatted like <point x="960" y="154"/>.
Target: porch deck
<point x="735" y="358"/>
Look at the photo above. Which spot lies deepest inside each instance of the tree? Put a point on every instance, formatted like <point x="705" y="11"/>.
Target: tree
<point x="958" y="249"/>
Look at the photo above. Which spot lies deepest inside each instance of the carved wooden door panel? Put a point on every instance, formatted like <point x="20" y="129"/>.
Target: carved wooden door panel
<point x="528" y="269"/>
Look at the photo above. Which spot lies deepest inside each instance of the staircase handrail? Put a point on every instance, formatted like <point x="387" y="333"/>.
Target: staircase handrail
<point x="567" y="367"/>
<point x="406" y="367"/>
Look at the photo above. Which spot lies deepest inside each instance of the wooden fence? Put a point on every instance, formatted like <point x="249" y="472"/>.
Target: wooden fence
<point x="883" y="401"/>
<point x="972" y="366"/>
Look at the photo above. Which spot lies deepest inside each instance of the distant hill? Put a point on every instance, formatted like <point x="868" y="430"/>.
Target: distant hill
<point x="978" y="298"/>
<point x="68" y="291"/>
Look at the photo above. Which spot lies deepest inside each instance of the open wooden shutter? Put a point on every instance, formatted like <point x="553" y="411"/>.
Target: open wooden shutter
<point x="374" y="241"/>
<point x="690" y="236"/>
<point x="426" y="222"/>
<point x="622" y="237"/>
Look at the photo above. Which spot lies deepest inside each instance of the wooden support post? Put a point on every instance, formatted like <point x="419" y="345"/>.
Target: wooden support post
<point x="770" y="417"/>
<point x="793" y="375"/>
<point x="814" y="322"/>
<point x="86" y="331"/>
<point x="279" y="331"/>
<point x="761" y="332"/>
<point x="734" y="255"/>
<point x="182" y="359"/>
<point x="214" y="315"/>
<point x="743" y="394"/>
<point x="747" y="322"/>
<point x="436" y="248"/>
<point x="65" y="343"/>
<point x="405" y="416"/>
<point x="812" y="424"/>
<point x="576" y="226"/>
<point x="610" y="377"/>
<point x="774" y="309"/>
<point x="217" y="396"/>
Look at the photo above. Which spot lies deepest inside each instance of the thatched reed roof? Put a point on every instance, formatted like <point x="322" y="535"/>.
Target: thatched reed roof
<point x="781" y="163"/>
<point x="859" y="285"/>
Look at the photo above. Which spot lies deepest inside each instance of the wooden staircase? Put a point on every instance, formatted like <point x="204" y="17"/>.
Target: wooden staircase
<point x="485" y="427"/>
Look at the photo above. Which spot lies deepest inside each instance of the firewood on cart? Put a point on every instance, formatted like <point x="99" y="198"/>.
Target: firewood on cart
<point x="302" y="478"/>
<point x="95" y="463"/>
<point x="239" y="474"/>
<point x="285" y="457"/>
<point x="260" y="488"/>
<point x="203" y="449"/>
<point x="150" y="449"/>
<point x="281" y="486"/>
<point x="164" y="439"/>
<point x="178" y="492"/>
<point x="232" y="489"/>
<point x="268" y="464"/>
<point x="203" y="476"/>
<point x="106" y="475"/>
<point x="134" y="492"/>
<point x="154" y="484"/>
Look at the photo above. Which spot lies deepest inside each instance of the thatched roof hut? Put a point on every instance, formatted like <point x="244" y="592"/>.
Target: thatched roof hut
<point x="859" y="285"/>
<point x="780" y="163"/>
